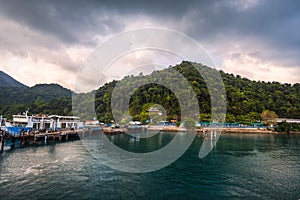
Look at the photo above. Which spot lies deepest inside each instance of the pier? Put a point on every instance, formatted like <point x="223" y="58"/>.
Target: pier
<point x="33" y="138"/>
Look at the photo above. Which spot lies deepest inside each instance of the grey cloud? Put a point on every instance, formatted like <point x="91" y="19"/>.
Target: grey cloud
<point x="72" y="22"/>
<point x="268" y="28"/>
<point x="77" y="21"/>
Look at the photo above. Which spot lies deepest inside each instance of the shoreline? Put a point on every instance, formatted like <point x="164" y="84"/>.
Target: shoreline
<point x="223" y="130"/>
<point x="68" y="135"/>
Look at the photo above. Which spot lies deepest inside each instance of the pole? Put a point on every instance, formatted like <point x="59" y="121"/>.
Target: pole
<point x="2" y="141"/>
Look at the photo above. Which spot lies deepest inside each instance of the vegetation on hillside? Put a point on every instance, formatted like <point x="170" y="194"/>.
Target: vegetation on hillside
<point x="8" y="81"/>
<point x="39" y="99"/>
<point x="246" y="99"/>
<point x="287" y="127"/>
<point x="269" y="117"/>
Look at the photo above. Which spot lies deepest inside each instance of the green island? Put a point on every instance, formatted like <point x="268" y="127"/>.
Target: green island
<point x="248" y="102"/>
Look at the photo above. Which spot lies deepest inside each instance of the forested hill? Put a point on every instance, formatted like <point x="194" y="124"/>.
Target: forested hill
<point x="8" y="81"/>
<point x="41" y="98"/>
<point x="246" y="99"/>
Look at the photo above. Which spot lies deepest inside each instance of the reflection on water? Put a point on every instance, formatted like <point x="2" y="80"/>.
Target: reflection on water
<point x="140" y="143"/>
<point x="239" y="167"/>
<point x="138" y="155"/>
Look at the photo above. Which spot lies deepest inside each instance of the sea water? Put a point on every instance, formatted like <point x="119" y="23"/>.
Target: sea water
<point x="240" y="166"/>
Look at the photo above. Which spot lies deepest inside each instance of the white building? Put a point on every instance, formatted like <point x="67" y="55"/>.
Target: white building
<point x="288" y="120"/>
<point x="64" y="122"/>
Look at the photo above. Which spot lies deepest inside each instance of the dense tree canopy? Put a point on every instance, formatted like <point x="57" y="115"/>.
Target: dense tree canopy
<point x="269" y="117"/>
<point x="246" y="99"/>
<point x="42" y="98"/>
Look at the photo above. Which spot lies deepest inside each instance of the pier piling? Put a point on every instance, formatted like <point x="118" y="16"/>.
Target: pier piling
<point x="2" y="142"/>
<point x="34" y="139"/>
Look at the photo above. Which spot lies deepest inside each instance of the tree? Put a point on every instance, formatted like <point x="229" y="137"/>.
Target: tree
<point x="283" y="127"/>
<point x="189" y="124"/>
<point x="269" y="117"/>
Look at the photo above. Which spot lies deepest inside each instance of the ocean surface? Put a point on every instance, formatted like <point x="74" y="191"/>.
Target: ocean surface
<point x="238" y="167"/>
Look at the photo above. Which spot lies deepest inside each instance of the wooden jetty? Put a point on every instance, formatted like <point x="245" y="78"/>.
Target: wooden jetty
<point x="33" y="138"/>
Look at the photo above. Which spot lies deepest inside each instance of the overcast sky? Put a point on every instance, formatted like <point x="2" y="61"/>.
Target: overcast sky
<point x="47" y="41"/>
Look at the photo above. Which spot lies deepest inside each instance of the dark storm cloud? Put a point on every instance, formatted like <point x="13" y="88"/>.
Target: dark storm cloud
<point x="72" y="21"/>
<point x="265" y="30"/>
<point x="274" y="21"/>
<point x="272" y="27"/>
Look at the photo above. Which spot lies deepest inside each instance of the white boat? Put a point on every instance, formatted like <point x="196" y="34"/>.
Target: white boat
<point x="24" y="123"/>
<point x="21" y="123"/>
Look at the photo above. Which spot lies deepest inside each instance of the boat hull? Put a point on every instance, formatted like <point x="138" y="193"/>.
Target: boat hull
<point x="16" y="131"/>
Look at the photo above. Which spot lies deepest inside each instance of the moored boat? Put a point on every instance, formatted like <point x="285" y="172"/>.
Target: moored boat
<point x="21" y="123"/>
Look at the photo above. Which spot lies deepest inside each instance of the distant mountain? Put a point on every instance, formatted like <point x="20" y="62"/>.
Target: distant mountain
<point x="41" y="98"/>
<point x="8" y="81"/>
<point x="50" y="91"/>
<point x="25" y="95"/>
